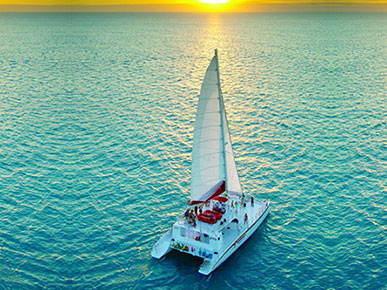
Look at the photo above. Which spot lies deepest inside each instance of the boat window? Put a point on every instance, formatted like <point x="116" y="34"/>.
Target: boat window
<point x="194" y="235"/>
<point x="205" y="238"/>
<point x="191" y="234"/>
<point x="182" y="232"/>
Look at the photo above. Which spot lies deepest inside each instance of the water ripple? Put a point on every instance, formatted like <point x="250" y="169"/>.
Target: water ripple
<point x="97" y="114"/>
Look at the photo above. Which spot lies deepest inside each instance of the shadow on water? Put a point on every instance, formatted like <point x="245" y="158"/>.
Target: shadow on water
<point x="184" y="262"/>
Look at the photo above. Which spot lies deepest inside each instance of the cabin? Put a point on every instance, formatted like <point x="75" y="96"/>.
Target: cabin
<point x="195" y="242"/>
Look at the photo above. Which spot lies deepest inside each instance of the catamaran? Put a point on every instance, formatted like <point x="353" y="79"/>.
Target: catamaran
<point x="219" y="217"/>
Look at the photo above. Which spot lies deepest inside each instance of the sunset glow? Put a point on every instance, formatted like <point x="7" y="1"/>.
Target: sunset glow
<point x="214" y="1"/>
<point x="191" y="6"/>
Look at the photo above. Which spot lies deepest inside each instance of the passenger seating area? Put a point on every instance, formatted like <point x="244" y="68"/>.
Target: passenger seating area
<point x="210" y="216"/>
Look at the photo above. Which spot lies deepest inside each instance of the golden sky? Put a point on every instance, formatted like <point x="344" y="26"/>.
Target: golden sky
<point x="183" y="5"/>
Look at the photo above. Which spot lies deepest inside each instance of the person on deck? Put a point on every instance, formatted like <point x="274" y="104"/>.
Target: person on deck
<point x="246" y="217"/>
<point x="222" y="208"/>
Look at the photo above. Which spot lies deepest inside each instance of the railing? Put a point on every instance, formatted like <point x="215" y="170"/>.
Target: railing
<point x="231" y="212"/>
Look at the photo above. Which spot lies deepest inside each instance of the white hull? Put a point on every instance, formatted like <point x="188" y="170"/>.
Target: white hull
<point x="233" y="239"/>
<point x="163" y="246"/>
<point x="207" y="267"/>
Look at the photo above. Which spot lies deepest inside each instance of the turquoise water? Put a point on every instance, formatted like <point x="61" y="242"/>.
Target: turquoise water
<point x="96" y="118"/>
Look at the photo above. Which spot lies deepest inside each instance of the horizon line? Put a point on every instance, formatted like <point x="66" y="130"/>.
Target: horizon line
<point x="184" y="8"/>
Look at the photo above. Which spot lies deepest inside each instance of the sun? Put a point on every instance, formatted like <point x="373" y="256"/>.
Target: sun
<point x="214" y="1"/>
<point x="215" y="6"/>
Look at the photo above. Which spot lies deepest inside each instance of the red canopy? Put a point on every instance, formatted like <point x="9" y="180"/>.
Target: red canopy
<point x="221" y="198"/>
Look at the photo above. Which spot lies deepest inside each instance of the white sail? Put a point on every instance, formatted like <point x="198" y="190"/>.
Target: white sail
<point x="207" y="156"/>
<point x="212" y="144"/>
<point x="232" y="183"/>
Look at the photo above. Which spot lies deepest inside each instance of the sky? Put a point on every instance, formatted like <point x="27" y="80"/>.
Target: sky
<point x="191" y="5"/>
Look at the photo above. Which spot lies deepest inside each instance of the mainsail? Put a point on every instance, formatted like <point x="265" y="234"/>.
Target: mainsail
<point x="213" y="165"/>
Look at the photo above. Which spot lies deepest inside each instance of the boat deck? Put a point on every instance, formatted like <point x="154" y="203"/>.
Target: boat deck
<point x="234" y="210"/>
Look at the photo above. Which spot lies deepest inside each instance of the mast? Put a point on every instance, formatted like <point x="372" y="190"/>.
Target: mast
<point x="221" y="106"/>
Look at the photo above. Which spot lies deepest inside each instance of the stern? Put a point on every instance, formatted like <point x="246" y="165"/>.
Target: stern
<point x="163" y="246"/>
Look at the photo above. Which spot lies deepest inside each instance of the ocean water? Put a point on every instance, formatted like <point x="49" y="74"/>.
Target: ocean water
<point x="96" y="123"/>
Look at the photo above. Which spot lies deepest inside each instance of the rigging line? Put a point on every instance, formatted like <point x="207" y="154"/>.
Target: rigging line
<point x="221" y="118"/>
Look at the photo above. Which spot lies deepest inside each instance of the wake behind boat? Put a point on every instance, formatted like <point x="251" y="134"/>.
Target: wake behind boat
<point x="219" y="217"/>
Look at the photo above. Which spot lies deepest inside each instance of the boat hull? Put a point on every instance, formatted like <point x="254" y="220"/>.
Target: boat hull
<point x="163" y="246"/>
<point x="209" y="266"/>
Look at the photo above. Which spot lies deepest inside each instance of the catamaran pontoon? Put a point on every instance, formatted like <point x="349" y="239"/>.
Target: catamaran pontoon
<point x="219" y="217"/>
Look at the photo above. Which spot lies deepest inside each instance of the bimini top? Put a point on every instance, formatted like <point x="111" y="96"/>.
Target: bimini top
<point x="213" y="165"/>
